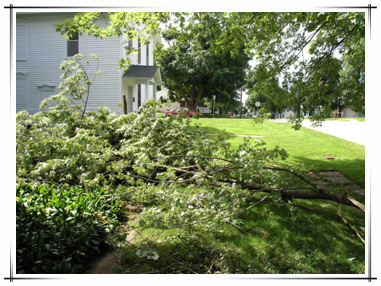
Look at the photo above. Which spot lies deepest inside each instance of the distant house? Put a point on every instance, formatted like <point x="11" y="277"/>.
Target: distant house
<point x="40" y="51"/>
<point x="346" y="112"/>
<point x="163" y="93"/>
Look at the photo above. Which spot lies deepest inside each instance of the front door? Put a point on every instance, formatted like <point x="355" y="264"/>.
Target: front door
<point x="124" y="104"/>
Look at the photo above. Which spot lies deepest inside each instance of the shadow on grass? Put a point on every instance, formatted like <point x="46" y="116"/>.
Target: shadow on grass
<point x="353" y="169"/>
<point x="304" y="237"/>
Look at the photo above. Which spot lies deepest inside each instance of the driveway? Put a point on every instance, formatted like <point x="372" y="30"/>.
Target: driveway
<point x="351" y="130"/>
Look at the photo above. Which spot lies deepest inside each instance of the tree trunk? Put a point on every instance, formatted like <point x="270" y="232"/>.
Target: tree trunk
<point x="193" y="101"/>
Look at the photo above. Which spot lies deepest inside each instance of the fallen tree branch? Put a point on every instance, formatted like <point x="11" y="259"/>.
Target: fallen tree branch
<point x="322" y="194"/>
<point x="312" y="192"/>
<point x="356" y="203"/>
<point x="348" y="224"/>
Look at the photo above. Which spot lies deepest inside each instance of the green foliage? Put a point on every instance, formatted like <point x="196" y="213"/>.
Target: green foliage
<point x="76" y="151"/>
<point x="277" y="41"/>
<point x="264" y="87"/>
<point x="165" y="165"/>
<point x="352" y="77"/>
<point x="192" y="70"/>
<point x="75" y="88"/>
<point x="150" y="160"/>
<point x="190" y="67"/>
<point x="59" y="229"/>
<point x="183" y="178"/>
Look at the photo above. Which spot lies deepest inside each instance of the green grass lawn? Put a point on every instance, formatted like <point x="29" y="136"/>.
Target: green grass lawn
<point x="302" y="237"/>
<point x="306" y="147"/>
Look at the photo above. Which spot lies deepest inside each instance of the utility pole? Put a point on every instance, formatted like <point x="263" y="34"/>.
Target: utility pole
<point x="214" y="104"/>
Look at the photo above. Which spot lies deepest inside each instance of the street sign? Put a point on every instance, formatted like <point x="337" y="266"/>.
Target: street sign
<point x="257" y="104"/>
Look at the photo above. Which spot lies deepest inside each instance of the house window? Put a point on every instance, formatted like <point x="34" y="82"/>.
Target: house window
<point x="140" y="52"/>
<point x="147" y="55"/>
<point x="139" y="95"/>
<point x="72" y="45"/>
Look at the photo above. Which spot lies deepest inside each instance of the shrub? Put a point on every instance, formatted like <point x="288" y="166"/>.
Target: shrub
<point x="59" y="229"/>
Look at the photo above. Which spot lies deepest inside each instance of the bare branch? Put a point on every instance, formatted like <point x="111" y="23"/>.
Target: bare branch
<point x="348" y="224"/>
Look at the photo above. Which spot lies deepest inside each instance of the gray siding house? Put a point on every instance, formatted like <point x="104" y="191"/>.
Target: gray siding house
<point x="40" y="51"/>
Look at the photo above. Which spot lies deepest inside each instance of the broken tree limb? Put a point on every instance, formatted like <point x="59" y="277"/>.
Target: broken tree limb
<point x="356" y="203"/>
<point x="348" y="224"/>
<point x="194" y="172"/>
<point x="322" y="195"/>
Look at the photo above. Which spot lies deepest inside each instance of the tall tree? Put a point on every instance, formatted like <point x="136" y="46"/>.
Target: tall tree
<point x="279" y="40"/>
<point x="264" y="87"/>
<point x="190" y="68"/>
<point x="352" y="77"/>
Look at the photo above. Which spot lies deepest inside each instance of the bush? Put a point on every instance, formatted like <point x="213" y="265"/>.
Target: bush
<point x="59" y="229"/>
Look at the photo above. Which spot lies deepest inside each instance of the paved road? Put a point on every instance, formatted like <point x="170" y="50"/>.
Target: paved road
<point x="351" y="130"/>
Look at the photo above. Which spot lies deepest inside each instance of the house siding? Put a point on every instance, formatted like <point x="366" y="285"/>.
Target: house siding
<point x="106" y="87"/>
<point x="40" y="61"/>
<point x="21" y="92"/>
<point x="40" y="51"/>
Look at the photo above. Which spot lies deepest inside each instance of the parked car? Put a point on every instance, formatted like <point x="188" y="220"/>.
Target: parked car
<point x="175" y="111"/>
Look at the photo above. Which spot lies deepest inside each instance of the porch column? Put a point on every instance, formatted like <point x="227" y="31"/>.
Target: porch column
<point x="146" y="96"/>
<point x="154" y="97"/>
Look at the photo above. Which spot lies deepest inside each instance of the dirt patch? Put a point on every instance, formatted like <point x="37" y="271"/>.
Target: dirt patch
<point x="108" y="260"/>
<point x="105" y="263"/>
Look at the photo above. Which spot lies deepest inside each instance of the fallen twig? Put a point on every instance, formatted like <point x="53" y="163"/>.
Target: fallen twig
<point x="348" y="224"/>
<point x="356" y="203"/>
<point x="240" y="229"/>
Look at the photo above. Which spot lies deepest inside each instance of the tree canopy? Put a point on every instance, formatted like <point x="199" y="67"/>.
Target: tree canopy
<point x="277" y="40"/>
<point x="264" y="89"/>
<point x="190" y="68"/>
